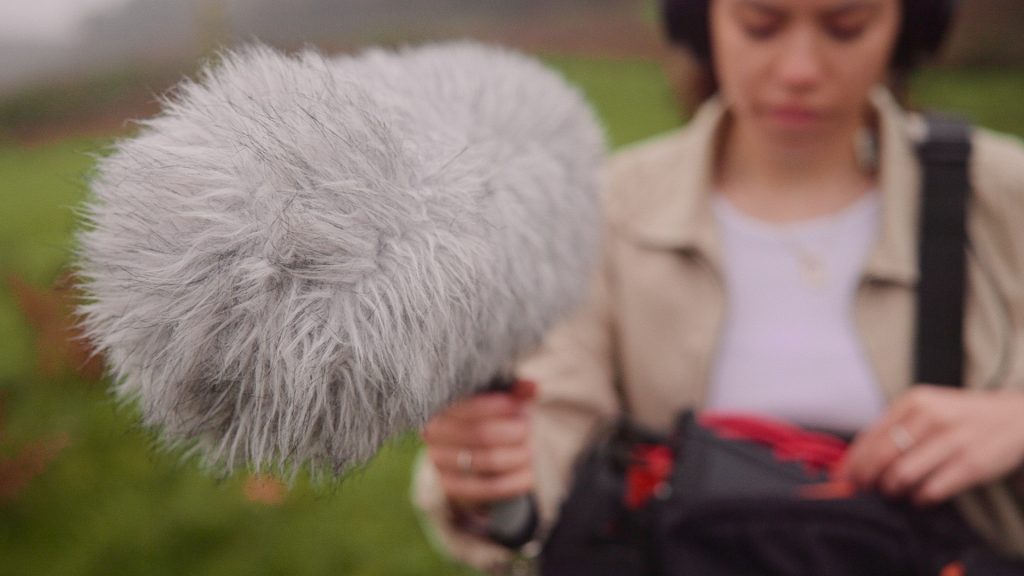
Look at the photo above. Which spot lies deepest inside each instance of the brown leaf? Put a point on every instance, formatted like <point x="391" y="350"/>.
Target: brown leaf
<point x="18" y="472"/>
<point x="264" y="489"/>
<point x="59" y="343"/>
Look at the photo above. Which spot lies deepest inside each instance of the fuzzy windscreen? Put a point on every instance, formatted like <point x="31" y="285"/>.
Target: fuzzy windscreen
<point x="301" y="257"/>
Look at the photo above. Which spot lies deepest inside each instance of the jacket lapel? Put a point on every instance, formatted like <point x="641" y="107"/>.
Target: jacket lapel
<point x="885" y="304"/>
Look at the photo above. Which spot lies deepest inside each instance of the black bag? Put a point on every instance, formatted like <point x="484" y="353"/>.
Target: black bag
<point x="597" y="533"/>
<point x="738" y="509"/>
<point x="731" y="507"/>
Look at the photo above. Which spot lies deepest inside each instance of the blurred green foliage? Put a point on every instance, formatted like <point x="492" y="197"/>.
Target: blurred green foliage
<point x="39" y="188"/>
<point x="113" y="504"/>
<point x="632" y="98"/>
<point x="989" y="97"/>
<point x="55" y="103"/>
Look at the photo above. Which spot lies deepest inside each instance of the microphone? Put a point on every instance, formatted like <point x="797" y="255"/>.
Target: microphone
<point x="302" y="257"/>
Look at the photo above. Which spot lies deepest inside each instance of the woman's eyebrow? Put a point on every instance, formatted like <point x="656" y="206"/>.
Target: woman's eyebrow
<point x="852" y="6"/>
<point x="760" y="6"/>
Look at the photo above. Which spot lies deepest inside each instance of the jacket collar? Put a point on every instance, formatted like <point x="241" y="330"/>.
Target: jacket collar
<point x="665" y="215"/>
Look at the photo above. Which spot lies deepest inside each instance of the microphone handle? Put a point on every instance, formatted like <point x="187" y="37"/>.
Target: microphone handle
<point x="513" y="522"/>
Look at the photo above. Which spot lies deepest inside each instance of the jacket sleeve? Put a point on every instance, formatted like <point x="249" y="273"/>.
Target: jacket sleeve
<point x="574" y="373"/>
<point x="997" y="243"/>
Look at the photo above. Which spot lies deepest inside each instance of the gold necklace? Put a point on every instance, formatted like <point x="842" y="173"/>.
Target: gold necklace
<point x="813" y="266"/>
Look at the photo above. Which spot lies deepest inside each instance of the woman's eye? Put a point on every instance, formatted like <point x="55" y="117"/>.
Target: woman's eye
<point x="759" y="24"/>
<point x="849" y="26"/>
<point x="846" y="33"/>
<point x="762" y="32"/>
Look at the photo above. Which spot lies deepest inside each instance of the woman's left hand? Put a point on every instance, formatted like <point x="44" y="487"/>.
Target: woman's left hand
<point x="936" y="442"/>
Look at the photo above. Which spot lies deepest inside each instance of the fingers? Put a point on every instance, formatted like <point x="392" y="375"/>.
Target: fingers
<point x="934" y="468"/>
<point x="483" y="462"/>
<point x="916" y="415"/>
<point x="908" y="473"/>
<point x="471" y="489"/>
<point x="488" y="405"/>
<point x="880" y="447"/>
<point x="936" y="443"/>
<point x="480" y="446"/>
<point x="959" y="473"/>
<point x="477" y="433"/>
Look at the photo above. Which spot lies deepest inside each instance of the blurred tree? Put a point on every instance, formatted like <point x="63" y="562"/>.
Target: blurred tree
<point x="988" y="33"/>
<point x="212" y="23"/>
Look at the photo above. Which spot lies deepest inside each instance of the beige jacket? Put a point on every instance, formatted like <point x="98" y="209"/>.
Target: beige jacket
<point x="657" y="306"/>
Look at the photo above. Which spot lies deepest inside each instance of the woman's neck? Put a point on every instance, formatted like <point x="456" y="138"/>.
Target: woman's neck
<point x="778" y="183"/>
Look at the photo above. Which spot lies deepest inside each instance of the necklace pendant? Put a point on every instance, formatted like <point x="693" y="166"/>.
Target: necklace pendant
<point x="814" y="273"/>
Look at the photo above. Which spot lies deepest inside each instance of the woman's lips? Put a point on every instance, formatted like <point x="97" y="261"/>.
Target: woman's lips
<point x="795" y="117"/>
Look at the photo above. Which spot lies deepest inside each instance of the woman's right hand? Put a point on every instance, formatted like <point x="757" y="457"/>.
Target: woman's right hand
<point x="480" y="446"/>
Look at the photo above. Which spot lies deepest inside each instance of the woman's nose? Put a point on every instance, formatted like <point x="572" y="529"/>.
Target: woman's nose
<point x="800" y="65"/>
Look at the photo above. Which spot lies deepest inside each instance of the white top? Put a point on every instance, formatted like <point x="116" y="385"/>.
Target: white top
<point x="789" y="348"/>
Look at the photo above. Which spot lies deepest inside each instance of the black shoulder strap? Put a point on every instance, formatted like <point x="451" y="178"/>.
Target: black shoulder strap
<point x="945" y="156"/>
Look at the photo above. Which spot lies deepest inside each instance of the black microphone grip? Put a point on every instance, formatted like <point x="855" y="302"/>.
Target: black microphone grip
<point x="513" y="522"/>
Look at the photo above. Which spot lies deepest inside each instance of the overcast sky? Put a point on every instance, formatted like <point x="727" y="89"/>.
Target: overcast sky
<point x="54" y="21"/>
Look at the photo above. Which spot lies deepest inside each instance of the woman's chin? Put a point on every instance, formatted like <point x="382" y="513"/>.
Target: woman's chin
<point x="797" y="141"/>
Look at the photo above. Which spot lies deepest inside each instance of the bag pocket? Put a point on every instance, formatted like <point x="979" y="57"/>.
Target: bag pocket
<point x="788" y="537"/>
<point x="596" y="534"/>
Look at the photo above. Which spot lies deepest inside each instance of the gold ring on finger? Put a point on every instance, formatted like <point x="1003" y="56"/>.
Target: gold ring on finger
<point x="464" y="461"/>
<point x="901" y="438"/>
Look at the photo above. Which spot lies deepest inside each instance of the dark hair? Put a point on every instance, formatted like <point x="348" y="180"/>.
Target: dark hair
<point x="925" y="23"/>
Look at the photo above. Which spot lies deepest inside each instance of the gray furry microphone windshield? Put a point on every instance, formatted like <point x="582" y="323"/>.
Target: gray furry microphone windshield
<point x="302" y="257"/>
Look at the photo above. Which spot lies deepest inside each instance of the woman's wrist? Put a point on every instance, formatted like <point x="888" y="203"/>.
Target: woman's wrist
<point x="510" y="523"/>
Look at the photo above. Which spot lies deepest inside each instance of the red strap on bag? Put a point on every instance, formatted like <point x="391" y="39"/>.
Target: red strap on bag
<point x="650" y="466"/>
<point x="815" y="450"/>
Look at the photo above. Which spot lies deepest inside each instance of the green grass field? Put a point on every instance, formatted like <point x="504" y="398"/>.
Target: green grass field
<point x="110" y="504"/>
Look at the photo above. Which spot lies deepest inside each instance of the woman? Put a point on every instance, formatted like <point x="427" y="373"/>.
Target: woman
<point x="764" y="260"/>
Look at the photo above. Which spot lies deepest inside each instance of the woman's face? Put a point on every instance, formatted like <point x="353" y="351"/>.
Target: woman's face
<point x="801" y="70"/>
